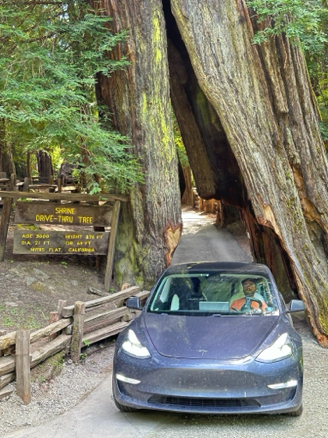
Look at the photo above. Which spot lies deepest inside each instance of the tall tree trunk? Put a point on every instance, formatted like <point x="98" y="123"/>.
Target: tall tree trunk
<point x="139" y="100"/>
<point x="45" y="168"/>
<point x="266" y="107"/>
<point x="187" y="196"/>
<point x="28" y="165"/>
<point x="6" y="157"/>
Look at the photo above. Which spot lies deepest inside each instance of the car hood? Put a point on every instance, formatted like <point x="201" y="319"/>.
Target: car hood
<point x="208" y="337"/>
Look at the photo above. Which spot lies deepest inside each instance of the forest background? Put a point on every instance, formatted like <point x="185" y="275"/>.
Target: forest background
<point x="51" y="54"/>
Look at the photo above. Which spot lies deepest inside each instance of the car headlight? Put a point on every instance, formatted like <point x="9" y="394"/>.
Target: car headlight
<point x="280" y="349"/>
<point x="132" y="346"/>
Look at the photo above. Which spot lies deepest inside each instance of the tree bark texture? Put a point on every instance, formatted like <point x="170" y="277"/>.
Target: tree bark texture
<point x="187" y="196"/>
<point x="6" y="157"/>
<point x="266" y="107"/>
<point x="45" y="169"/>
<point x="139" y="100"/>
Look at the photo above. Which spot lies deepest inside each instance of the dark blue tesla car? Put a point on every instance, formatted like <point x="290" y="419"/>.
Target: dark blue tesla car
<point x="211" y="338"/>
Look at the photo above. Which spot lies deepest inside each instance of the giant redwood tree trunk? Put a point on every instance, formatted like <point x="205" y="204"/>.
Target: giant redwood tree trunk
<point x="250" y="126"/>
<point x="139" y="100"/>
<point x="264" y="101"/>
<point x="45" y="168"/>
<point x="6" y="157"/>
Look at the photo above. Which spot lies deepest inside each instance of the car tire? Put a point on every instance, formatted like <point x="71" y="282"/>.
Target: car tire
<point x="298" y="412"/>
<point x="122" y="408"/>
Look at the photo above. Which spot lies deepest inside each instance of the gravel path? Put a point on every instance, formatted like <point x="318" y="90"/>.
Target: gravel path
<point x="50" y="399"/>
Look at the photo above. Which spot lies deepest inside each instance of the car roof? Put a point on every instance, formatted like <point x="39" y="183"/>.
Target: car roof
<point x="240" y="267"/>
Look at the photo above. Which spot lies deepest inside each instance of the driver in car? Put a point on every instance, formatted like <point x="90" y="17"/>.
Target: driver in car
<point x="250" y="300"/>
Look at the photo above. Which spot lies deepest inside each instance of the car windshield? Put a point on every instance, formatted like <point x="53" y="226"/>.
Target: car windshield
<point x="214" y="294"/>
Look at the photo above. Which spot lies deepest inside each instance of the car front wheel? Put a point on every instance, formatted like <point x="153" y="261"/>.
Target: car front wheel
<point x="122" y="408"/>
<point x="298" y="412"/>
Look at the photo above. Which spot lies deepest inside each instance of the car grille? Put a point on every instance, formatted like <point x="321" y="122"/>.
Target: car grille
<point x="204" y="402"/>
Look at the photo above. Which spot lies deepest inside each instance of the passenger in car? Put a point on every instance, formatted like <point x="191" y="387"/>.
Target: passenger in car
<point x="188" y="295"/>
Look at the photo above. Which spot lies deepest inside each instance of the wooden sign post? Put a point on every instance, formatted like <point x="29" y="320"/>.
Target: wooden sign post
<point x="23" y="365"/>
<point x="111" y="248"/>
<point x="52" y="242"/>
<point x="4" y="224"/>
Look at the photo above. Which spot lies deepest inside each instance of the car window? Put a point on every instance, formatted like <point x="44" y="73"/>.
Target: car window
<point x="214" y="293"/>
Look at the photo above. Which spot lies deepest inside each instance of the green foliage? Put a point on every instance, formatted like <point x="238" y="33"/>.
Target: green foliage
<point x="51" y="54"/>
<point x="301" y="21"/>
<point x="182" y="154"/>
<point x="305" y="24"/>
<point x="56" y="157"/>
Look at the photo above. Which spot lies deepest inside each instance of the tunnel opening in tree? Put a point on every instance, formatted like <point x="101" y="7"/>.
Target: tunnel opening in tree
<point x="214" y="166"/>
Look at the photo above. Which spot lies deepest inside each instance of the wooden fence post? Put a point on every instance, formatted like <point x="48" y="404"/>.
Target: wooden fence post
<point x="56" y="316"/>
<point x="61" y="305"/>
<point x="59" y="185"/>
<point x="23" y="370"/>
<point x="53" y="317"/>
<point x="26" y="184"/>
<point x="77" y="334"/>
<point x="2" y="333"/>
<point x="4" y="224"/>
<point x="12" y="182"/>
<point x="111" y="245"/>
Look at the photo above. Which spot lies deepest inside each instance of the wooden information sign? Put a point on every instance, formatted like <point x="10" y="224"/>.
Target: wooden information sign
<point x="62" y="214"/>
<point x="63" y="209"/>
<point x="60" y="242"/>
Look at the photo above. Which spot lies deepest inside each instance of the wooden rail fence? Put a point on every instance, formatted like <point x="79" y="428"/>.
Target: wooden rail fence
<point x="70" y="330"/>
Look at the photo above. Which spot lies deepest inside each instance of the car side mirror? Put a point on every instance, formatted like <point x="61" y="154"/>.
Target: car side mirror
<point x="134" y="303"/>
<point x="295" y="306"/>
